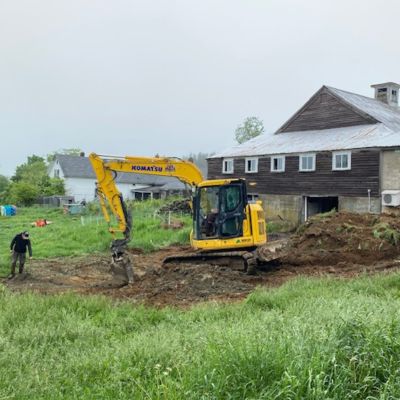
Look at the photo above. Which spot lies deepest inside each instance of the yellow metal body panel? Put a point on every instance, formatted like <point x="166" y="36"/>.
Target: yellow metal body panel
<point x="254" y="232"/>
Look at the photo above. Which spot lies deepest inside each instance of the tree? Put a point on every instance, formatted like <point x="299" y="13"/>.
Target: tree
<point x="4" y="184"/>
<point x="32" y="171"/>
<point x="31" y="181"/>
<point x="22" y="193"/>
<point x="251" y="127"/>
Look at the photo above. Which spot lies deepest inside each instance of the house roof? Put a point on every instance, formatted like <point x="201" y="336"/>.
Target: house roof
<point x="384" y="133"/>
<point x="80" y="167"/>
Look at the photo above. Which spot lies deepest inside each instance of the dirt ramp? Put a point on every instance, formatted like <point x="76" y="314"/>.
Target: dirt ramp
<point x="344" y="238"/>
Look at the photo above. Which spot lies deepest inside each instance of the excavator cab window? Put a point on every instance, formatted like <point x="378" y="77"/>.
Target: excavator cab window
<point x="208" y="211"/>
<point x="219" y="211"/>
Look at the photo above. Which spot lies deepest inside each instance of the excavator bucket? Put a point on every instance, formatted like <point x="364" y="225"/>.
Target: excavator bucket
<point x="121" y="263"/>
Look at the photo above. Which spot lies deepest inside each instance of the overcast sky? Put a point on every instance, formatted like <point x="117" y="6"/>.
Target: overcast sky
<point x="173" y="77"/>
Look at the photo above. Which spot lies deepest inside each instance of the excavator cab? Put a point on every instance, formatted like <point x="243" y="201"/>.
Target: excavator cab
<point x="219" y="210"/>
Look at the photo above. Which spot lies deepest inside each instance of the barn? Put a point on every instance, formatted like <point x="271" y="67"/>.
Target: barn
<point x="339" y="150"/>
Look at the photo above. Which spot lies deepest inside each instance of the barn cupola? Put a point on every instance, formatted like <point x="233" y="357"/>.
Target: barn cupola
<point x="387" y="93"/>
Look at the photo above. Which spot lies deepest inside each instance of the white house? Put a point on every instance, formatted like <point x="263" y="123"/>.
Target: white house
<point x="79" y="179"/>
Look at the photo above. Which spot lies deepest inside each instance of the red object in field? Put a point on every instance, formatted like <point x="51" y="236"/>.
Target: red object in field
<point x="41" y="222"/>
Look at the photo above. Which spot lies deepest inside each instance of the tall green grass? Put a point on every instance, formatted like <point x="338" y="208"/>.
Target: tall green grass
<point x="67" y="236"/>
<point x="310" y="339"/>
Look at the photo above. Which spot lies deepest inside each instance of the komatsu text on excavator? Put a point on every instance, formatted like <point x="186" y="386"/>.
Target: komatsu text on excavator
<point x="225" y="225"/>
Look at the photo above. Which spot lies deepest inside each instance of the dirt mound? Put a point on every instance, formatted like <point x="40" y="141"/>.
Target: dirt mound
<point x="334" y="238"/>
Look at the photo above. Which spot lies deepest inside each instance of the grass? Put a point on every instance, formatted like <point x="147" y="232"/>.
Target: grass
<point x="68" y="237"/>
<point x="310" y="339"/>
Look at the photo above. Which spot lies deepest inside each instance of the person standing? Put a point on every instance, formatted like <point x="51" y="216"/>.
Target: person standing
<point x="18" y="247"/>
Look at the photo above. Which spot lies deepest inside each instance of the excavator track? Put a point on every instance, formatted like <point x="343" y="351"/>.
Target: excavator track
<point x="245" y="260"/>
<point x="239" y="260"/>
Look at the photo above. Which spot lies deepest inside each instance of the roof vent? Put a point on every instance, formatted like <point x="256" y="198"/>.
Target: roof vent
<point x="387" y="93"/>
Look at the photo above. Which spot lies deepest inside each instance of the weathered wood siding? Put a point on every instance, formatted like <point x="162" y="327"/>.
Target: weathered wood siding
<point x="325" y="111"/>
<point x="364" y="175"/>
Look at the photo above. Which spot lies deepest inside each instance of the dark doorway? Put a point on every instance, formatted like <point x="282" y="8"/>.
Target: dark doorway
<point x="317" y="205"/>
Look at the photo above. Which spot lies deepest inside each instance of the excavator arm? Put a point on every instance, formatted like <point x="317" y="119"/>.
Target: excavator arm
<point x="106" y="169"/>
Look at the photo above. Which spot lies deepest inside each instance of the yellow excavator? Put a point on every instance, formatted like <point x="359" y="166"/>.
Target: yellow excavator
<point x="225" y="225"/>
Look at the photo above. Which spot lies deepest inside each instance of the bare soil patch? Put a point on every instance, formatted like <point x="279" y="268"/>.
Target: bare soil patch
<point x="343" y="245"/>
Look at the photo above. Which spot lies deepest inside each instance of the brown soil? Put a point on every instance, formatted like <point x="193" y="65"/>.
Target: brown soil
<point x="342" y="245"/>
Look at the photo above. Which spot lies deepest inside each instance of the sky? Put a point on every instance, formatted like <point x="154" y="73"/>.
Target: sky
<point x="127" y="77"/>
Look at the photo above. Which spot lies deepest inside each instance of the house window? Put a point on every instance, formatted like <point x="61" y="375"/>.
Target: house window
<point x="56" y="173"/>
<point x="341" y="160"/>
<point x="307" y="162"/>
<point x="278" y="164"/>
<point x="251" y="165"/>
<point x="227" y="166"/>
<point x="394" y="95"/>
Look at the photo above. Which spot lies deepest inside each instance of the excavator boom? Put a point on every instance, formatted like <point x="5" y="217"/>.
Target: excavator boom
<point x="106" y="167"/>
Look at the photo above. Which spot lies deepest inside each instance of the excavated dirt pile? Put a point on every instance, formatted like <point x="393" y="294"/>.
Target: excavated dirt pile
<point x="343" y="239"/>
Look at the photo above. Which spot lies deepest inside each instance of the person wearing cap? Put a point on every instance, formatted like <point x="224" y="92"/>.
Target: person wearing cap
<point x="18" y="247"/>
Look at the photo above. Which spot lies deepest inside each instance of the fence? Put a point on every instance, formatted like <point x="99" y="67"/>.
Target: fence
<point x="168" y="218"/>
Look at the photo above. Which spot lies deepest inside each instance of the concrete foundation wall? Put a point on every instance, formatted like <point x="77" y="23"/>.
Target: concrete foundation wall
<point x="288" y="210"/>
<point x="359" y="204"/>
<point x="284" y="208"/>
<point x="390" y="170"/>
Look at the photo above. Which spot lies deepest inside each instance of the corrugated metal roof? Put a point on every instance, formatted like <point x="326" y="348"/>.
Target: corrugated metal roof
<point x="382" y="112"/>
<point x="353" y="137"/>
<point x="383" y="134"/>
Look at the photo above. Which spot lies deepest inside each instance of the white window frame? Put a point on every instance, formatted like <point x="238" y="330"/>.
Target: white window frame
<point x="223" y="166"/>
<point x="252" y="197"/>
<point x="313" y="155"/>
<point x="251" y="159"/>
<point x="340" y="153"/>
<point x="283" y="163"/>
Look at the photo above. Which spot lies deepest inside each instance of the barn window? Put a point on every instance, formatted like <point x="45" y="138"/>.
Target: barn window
<point x="341" y="160"/>
<point x="307" y="162"/>
<point x="227" y="166"/>
<point x="278" y="164"/>
<point x="252" y="197"/>
<point x="251" y="165"/>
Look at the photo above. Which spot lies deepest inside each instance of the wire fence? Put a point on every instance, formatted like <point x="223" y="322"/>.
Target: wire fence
<point x="166" y="217"/>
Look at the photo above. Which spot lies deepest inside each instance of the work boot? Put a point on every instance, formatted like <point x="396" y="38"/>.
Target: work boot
<point x="21" y="269"/>
<point x="11" y="275"/>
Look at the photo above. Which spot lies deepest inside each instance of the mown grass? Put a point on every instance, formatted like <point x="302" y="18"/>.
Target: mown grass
<point x="68" y="237"/>
<point x="310" y="339"/>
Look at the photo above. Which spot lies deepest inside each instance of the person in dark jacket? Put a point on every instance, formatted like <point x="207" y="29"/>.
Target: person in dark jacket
<point x="18" y="247"/>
